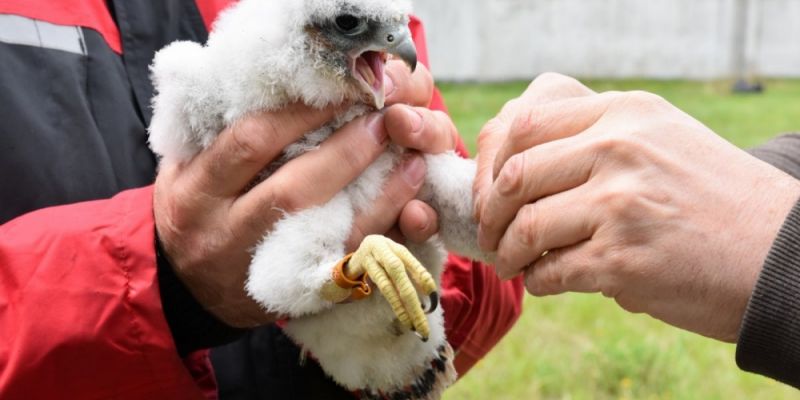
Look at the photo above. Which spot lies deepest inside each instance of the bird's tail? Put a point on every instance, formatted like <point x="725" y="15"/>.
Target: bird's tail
<point x="430" y="384"/>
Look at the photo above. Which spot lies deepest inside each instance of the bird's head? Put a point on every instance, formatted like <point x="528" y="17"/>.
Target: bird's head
<point x="319" y="52"/>
<point x="355" y="38"/>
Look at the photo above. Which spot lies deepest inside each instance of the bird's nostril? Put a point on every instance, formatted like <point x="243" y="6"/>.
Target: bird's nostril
<point x="390" y="38"/>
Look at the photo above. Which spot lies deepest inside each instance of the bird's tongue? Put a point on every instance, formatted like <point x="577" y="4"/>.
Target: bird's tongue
<point x="369" y="67"/>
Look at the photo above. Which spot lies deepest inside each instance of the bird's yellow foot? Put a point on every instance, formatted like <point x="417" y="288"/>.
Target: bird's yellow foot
<point x="396" y="273"/>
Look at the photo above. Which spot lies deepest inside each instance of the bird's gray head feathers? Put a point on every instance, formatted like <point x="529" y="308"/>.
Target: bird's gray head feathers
<point x="320" y="52"/>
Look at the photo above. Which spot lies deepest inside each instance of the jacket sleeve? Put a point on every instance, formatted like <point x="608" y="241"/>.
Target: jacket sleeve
<point x="782" y="152"/>
<point x="80" y="310"/>
<point x="769" y="339"/>
<point x="479" y="308"/>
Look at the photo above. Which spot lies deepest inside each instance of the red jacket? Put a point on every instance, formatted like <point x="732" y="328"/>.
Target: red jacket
<point x="80" y="311"/>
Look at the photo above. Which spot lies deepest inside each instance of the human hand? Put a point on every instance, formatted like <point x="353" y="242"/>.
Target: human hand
<point x="412" y="125"/>
<point x="631" y="197"/>
<point x="208" y="221"/>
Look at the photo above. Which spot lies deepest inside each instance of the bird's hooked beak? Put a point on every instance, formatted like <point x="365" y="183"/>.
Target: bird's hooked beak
<point x="369" y="64"/>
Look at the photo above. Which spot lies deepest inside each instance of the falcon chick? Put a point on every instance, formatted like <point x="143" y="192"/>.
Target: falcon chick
<point x="264" y="55"/>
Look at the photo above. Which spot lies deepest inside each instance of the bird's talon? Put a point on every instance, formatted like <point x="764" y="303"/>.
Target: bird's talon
<point x="399" y="276"/>
<point x="423" y="338"/>
<point x="434" y="303"/>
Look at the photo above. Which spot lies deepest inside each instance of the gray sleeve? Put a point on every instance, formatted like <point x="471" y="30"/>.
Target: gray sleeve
<point x="769" y="339"/>
<point x="782" y="152"/>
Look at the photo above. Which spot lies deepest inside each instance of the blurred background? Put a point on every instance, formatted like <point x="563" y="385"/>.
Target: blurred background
<point x="711" y="58"/>
<point x="499" y="40"/>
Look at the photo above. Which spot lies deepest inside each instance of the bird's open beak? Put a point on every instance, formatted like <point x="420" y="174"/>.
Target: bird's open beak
<point x="370" y="64"/>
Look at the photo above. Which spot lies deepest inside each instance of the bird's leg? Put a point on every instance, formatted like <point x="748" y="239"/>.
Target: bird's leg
<point x="396" y="273"/>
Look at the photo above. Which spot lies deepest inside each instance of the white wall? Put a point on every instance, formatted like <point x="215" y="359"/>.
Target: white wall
<point x="518" y="39"/>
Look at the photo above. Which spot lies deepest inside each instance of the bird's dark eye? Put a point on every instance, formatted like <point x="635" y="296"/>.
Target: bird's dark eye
<point x="350" y="24"/>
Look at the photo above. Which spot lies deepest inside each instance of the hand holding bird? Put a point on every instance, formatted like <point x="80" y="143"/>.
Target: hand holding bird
<point x="263" y="57"/>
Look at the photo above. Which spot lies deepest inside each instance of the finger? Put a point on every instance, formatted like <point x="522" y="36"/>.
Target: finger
<point x="418" y="222"/>
<point x="550" y="86"/>
<point x="553" y="222"/>
<point x="419" y="128"/>
<point x="404" y="87"/>
<point x="569" y="269"/>
<point x="545" y="123"/>
<point x="490" y="140"/>
<point x="529" y="176"/>
<point x="244" y="149"/>
<point x="401" y="187"/>
<point x="314" y="177"/>
<point x="546" y="88"/>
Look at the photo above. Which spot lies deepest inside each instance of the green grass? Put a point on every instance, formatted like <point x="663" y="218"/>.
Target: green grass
<point x="585" y="347"/>
<point x="743" y="119"/>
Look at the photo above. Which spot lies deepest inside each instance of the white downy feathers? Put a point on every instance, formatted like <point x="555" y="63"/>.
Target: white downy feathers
<point x="262" y="56"/>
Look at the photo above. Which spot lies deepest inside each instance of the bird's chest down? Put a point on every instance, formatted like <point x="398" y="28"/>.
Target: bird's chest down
<point x="361" y="344"/>
<point x="364" y="345"/>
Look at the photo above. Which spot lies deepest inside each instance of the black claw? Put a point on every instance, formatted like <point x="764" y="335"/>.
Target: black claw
<point x="434" y="303"/>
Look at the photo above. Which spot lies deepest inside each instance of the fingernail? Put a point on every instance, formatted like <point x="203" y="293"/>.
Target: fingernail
<point x="415" y="118"/>
<point x="376" y="128"/>
<point x="388" y="85"/>
<point x="414" y="170"/>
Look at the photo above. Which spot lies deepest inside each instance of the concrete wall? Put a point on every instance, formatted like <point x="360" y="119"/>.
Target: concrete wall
<point x="696" y="39"/>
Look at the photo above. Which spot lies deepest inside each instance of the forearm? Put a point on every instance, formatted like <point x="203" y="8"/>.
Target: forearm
<point x="80" y="304"/>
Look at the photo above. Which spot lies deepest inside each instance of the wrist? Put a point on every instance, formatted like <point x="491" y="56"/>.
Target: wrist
<point x="776" y="196"/>
<point x="227" y="302"/>
<point x="192" y="326"/>
<point x="222" y="294"/>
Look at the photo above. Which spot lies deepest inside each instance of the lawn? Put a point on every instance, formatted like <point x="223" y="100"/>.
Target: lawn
<point x="583" y="346"/>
